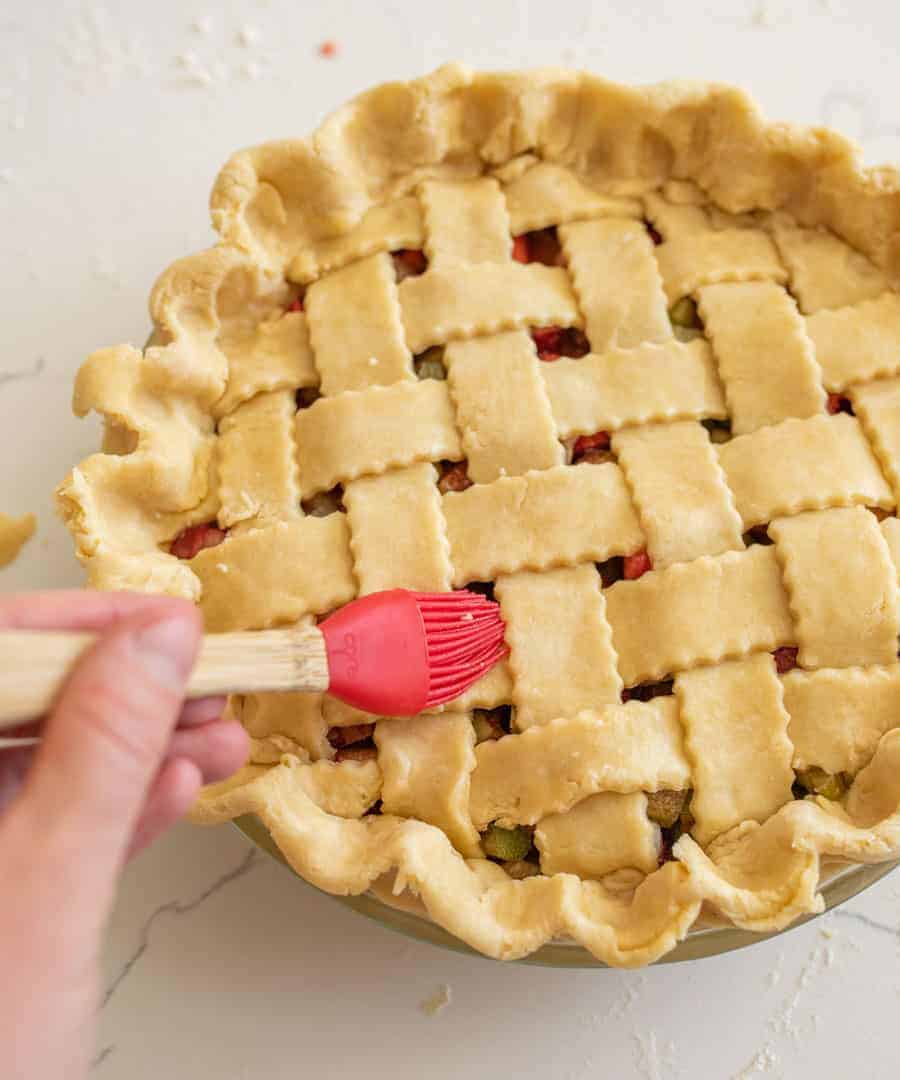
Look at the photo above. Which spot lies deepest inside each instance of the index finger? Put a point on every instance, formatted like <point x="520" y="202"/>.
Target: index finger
<point x="76" y="609"/>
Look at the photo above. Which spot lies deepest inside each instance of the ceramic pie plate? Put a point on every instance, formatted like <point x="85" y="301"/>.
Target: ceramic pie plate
<point x="706" y="938"/>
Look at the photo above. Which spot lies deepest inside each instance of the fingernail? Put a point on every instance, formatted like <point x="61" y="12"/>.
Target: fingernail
<point x="166" y="649"/>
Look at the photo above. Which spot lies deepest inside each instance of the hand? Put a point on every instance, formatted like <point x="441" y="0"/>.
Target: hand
<point x="122" y="759"/>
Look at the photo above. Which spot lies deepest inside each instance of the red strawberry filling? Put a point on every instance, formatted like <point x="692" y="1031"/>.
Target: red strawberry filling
<point x="295" y="305"/>
<point x="591" y="448"/>
<point x="409" y="262"/>
<point x="540" y="246"/>
<point x="195" y="538"/>
<point x="837" y="403"/>
<point x="634" y="566"/>
<point x="339" y="737"/>
<point x="785" y="658"/>
<point x="552" y="342"/>
<point x="520" y="250"/>
<point x="654" y="235"/>
<point x="454" y="476"/>
<point x="353" y="743"/>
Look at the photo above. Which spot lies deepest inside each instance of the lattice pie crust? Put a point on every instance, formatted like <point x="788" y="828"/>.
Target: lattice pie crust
<point x="778" y="539"/>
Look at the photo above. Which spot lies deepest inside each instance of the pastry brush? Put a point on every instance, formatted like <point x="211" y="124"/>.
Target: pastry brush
<point x="391" y="653"/>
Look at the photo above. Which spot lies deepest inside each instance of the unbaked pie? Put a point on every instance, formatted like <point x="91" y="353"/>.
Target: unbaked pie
<point x="627" y="360"/>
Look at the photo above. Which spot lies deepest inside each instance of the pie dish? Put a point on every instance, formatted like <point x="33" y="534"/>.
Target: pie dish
<point x="629" y="361"/>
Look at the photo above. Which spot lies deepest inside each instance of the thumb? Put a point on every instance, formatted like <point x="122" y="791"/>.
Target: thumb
<point x="107" y="735"/>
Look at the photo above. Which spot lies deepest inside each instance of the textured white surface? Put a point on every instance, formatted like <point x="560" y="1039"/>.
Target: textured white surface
<point x="113" y="122"/>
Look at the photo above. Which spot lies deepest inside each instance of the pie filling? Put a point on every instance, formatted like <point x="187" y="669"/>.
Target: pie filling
<point x="195" y="538"/>
<point x="645" y="416"/>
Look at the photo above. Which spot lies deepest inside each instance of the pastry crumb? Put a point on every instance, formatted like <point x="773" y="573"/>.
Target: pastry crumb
<point x="248" y="35"/>
<point x="14" y="534"/>
<point x="763" y="14"/>
<point x="328" y="49"/>
<point x="202" y="25"/>
<point x="439" y="1000"/>
<point x="466" y="616"/>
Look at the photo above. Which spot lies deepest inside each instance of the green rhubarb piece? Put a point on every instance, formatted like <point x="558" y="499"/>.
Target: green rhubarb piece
<point x="820" y="782"/>
<point x="430" y="364"/>
<point x="683" y="313"/>
<point x="508" y="845"/>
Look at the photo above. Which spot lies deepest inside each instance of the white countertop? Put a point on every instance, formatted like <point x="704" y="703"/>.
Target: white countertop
<point x="113" y="122"/>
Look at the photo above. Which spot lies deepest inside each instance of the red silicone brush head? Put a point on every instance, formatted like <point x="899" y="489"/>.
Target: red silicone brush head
<point x="396" y="653"/>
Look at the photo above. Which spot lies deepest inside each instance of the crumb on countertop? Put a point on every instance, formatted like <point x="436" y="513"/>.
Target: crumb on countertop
<point x="439" y="1000"/>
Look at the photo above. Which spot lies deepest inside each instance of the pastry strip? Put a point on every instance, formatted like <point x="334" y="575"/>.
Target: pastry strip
<point x="683" y="503"/>
<point x="694" y="253"/>
<point x="403" y="423"/>
<point x="299" y="717"/>
<point x="648" y="383"/>
<point x="824" y="271"/>
<point x="857" y="343"/>
<point x="557" y="517"/>
<point x="446" y="303"/>
<point x="802" y="465"/>
<point x="277" y="356"/>
<point x="502" y="411"/>
<point x="736" y="740"/>
<point x="877" y="405"/>
<point x="839" y="714"/>
<point x="465" y="221"/>
<point x="426" y="762"/>
<point x="397" y="531"/>
<point x="715" y="608"/>
<point x="561" y="651"/>
<point x="520" y="779"/>
<point x="549" y="194"/>
<point x="355" y="328"/>
<point x="603" y="833"/>
<point x="617" y="283"/>
<point x="890" y="530"/>
<point x="765" y="359"/>
<point x="274" y="575"/>
<point x="847" y="615"/>
<point x="257" y="462"/>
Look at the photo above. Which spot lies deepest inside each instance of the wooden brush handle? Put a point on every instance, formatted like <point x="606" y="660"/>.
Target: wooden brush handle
<point x="33" y="663"/>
